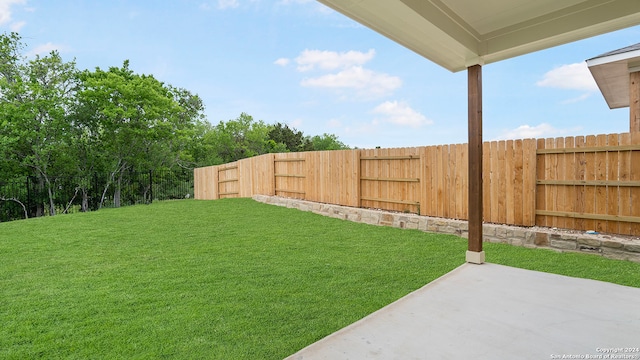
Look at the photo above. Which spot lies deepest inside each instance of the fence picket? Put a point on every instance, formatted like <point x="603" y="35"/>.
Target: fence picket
<point x="452" y="191"/>
<point x="465" y="179"/>
<point x="635" y="176"/>
<point x="541" y="189"/>
<point x="495" y="183"/>
<point x="529" y="188"/>
<point x="517" y="175"/>
<point x="579" y="205"/>
<point x="509" y="160"/>
<point x="590" y="192"/>
<point x="601" y="191"/>
<point x="570" y="175"/>
<point x="612" y="192"/>
<point x="502" y="182"/>
<point x="486" y="181"/>
<point x="560" y="190"/>
<point x="624" y="174"/>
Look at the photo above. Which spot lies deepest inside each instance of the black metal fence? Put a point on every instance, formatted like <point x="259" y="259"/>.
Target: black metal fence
<point x="33" y="197"/>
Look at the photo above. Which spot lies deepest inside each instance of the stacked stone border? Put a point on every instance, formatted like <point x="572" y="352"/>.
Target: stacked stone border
<point x="607" y="245"/>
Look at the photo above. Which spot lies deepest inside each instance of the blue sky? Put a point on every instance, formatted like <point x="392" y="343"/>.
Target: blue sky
<point x="300" y="63"/>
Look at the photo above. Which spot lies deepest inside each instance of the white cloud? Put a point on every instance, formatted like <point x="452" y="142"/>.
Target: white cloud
<point x="570" y="77"/>
<point x="17" y="26"/>
<point x="227" y="4"/>
<point x="577" y="99"/>
<point x="296" y="123"/>
<point x="543" y="130"/>
<point x="363" y="129"/>
<point x="332" y="60"/>
<point x="5" y="11"/>
<point x="368" y="83"/>
<point x="334" y="123"/>
<point x="282" y="62"/>
<point x="44" y="49"/>
<point x="344" y="73"/>
<point x="400" y="113"/>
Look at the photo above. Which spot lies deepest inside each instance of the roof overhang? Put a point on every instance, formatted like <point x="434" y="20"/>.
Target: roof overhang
<point x="611" y="72"/>
<point x="457" y="34"/>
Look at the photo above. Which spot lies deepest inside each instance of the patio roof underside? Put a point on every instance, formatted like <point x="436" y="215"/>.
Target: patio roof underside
<point x="457" y="34"/>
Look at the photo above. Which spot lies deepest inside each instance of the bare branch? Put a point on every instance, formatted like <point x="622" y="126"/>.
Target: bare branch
<point x="24" y="208"/>
<point x="71" y="201"/>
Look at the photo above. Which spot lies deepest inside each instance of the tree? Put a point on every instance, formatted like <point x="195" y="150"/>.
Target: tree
<point x="140" y="123"/>
<point x="292" y="139"/>
<point x="10" y="63"/>
<point x="58" y="122"/>
<point x="35" y="99"/>
<point x="240" y="138"/>
<point x="295" y="140"/>
<point x="327" y="142"/>
<point x="202" y="150"/>
<point x="244" y="137"/>
<point x="191" y="119"/>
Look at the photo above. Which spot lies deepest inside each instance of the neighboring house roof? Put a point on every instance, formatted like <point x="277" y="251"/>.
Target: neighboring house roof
<point x="624" y="50"/>
<point x="611" y="72"/>
<point x="459" y="33"/>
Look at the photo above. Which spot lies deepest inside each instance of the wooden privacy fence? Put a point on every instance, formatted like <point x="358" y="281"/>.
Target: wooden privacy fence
<point x="584" y="183"/>
<point x="429" y="181"/>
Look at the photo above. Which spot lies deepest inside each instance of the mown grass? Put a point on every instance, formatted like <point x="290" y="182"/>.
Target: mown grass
<point x="226" y="279"/>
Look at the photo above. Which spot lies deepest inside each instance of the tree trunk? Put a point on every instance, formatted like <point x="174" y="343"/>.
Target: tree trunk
<point x="52" y="205"/>
<point x="118" y="191"/>
<point x="84" y="207"/>
<point x="104" y="194"/>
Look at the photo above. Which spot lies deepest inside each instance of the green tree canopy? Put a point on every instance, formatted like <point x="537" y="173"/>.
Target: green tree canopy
<point x="292" y="139"/>
<point x="35" y="100"/>
<point x="327" y="142"/>
<point x="239" y="138"/>
<point x="139" y="122"/>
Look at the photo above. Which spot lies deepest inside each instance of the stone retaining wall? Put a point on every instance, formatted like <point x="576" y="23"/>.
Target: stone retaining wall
<point x="610" y="246"/>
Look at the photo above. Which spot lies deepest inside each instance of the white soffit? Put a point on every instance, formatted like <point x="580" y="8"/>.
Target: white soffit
<point x="611" y="72"/>
<point x="459" y="33"/>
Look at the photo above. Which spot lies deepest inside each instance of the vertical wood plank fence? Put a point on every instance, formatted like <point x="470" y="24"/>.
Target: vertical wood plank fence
<point x="582" y="183"/>
<point x="589" y="183"/>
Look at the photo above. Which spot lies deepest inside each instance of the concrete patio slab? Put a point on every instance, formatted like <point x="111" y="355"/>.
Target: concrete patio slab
<point x="495" y="312"/>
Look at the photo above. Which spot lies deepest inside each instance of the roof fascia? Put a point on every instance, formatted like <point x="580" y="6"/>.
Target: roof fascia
<point x="613" y="58"/>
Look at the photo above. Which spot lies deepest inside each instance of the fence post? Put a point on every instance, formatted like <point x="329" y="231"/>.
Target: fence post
<point x="275" y="179"/>
<point x="150" y="186"/>
<point x="358" y="177"/>
<point x="28" y="196"/>
<point x="96" y="191"/>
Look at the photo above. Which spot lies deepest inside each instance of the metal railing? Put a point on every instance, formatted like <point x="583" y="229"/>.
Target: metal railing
<point x="28" y="197"/>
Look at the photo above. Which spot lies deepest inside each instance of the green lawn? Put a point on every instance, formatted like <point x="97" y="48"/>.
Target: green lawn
<point x="226" y="279"/>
